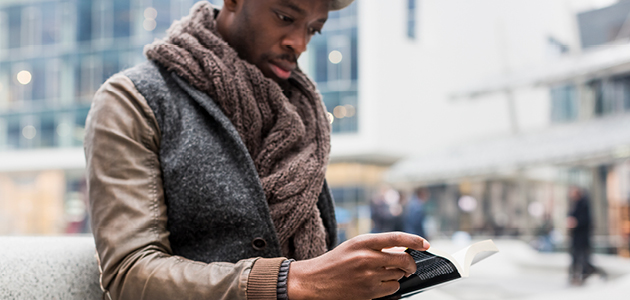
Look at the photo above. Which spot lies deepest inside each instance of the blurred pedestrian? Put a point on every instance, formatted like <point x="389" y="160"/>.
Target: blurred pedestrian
<point x="415" y="212"/>
<point x="579" y="223"/>
<point x="386" y="211"/>
<point x="544" y="241"/>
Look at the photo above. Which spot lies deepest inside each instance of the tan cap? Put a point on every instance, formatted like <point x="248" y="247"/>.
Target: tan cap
<point x="339" y="4"/>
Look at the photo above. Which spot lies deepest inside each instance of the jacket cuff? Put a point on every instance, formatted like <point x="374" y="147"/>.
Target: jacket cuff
<point x="263" y="279"/>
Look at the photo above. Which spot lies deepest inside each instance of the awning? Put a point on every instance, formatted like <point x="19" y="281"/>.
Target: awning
<point x="582" y="143"/>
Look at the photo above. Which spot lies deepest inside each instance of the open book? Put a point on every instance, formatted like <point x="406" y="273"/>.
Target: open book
<point x="435" y="267"/>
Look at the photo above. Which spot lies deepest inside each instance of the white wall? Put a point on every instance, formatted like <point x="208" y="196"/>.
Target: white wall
<point x="405" y="86"/>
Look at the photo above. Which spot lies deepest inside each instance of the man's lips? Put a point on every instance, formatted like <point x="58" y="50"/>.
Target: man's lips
<point x="282" y="70"/>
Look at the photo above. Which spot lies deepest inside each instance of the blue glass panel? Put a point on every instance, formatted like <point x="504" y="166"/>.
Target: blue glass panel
<point x="354" y="54"/>
<point x="122" y="18"/>
<point x="50" y="23"/>
<point x="48" y="130"/>
<point x="38" y="81"/>
<point x="564" y="106"/>
<point x="163" y="19"/>
<point x="13" y="133"/>
<point x="110" y="64"/>
<point x="15" y="26"/>
<point x="84" y="20"/>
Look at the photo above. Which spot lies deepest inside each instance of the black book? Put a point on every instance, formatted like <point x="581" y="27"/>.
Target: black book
<point x="435" y="268"/>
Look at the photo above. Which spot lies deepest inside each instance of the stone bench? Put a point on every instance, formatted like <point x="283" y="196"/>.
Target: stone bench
<point x="48" y="268"/>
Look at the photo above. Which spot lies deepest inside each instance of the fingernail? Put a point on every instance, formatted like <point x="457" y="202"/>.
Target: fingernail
<point x="425" y="244"/>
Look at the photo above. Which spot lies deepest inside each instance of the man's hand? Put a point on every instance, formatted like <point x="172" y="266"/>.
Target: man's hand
<point x="571" y="222"/>
<point x="356" y="269"/>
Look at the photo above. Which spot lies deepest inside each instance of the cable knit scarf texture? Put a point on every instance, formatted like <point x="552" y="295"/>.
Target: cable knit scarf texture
<point x="287" y="137"/>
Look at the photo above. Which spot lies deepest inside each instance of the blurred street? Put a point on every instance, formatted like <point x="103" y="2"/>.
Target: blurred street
<point x="518" y="272"/>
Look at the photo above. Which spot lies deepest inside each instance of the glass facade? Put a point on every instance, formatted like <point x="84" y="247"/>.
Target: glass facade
<point x="334" y="66"/>
<point x="54" y="55"/>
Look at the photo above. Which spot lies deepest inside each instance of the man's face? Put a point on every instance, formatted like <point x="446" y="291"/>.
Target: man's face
<point x="272" y="34"/>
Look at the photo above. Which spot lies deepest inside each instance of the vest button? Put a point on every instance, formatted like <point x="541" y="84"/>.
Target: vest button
<point x="259" y="243"/>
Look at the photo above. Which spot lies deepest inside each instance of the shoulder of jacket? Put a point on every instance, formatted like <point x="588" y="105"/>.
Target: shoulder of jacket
<point x="148" y="76"/>
<point x="120" y="95"/>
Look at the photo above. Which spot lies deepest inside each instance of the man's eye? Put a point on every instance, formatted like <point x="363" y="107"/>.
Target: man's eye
<point x="284" y="18"/>
<point x="315" y="31"/>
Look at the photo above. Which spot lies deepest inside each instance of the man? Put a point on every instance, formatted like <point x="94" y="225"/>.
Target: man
<point x="206" y="168"/>
<point x="579" y="224"/>
<point x="415" y="212"/>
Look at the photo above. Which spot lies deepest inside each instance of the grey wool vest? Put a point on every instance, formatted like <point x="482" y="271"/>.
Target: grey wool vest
<point x="217" y="209"/>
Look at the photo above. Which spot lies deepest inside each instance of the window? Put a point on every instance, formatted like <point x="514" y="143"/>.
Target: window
<point x="29" y="132"/>
<point x="48" y="136"/>
<point x="84" y="21"/>
<point x="3" y="134"/>
<point x="335" y="59"/>
<point x="612" y="95"/>
<point x="51" y="23"/>
<point x="88" y="77"/>
<point x="339" y="64"/>
<point x="4" y="30"/>
<point x="4" y="86"/>
<point x="343" y="106"/>
<point x="21" y="85"/>
<point x="411" y="19"/>
<point x="103" y="21"/>
<point x="53" y="80"/>
<point x="122" y="18"/>
<point x="38" y="80"/>
<point x="31" y="26"/>
<point x="79" y="126"/>
<point x="163" y="18"/>
<point x="110" y="64"/>
<point x="15" y="26"/>
<point x="13" y="133"/>
<point x="564" y="103"/>
<point x="334" y="66"/>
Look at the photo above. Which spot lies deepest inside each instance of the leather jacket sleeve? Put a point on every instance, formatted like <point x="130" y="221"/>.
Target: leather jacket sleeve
<point x="128" y="212"/>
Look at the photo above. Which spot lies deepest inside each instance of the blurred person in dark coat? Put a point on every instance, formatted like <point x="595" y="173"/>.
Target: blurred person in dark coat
<point x="386" y="211"/>
<point x="579" y="223"/>
<point x="415" y="212"/>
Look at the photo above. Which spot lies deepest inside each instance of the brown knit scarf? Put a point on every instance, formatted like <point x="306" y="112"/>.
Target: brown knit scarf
<point x="288" y="138"/>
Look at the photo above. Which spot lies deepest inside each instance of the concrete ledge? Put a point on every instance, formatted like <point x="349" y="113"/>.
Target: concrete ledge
<point x="48" y="268"/>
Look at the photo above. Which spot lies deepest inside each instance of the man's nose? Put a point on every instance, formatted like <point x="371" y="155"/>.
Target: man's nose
<point x="296" y="42"/>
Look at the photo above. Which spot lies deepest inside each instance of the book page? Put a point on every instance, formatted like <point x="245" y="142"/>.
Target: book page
<point x="473" y="254"/>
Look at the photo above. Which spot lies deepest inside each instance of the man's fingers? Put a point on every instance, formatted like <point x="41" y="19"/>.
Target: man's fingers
<point x="402" y="261"/>
<point x="393" y="239"/>
<point x="388" y="288"/>
<point x="392" y="274"/>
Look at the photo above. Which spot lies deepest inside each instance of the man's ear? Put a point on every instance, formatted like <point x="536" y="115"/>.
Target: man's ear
<point x="232" y="5"/>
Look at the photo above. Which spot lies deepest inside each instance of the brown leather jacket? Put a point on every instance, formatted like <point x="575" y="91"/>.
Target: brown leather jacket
<point x="128" y="212"/>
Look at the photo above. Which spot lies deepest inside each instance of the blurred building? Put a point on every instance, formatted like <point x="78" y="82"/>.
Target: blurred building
<point x="54" y="54"/>
<point x="554" y="113"/>
<point x="496" y="106"/>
